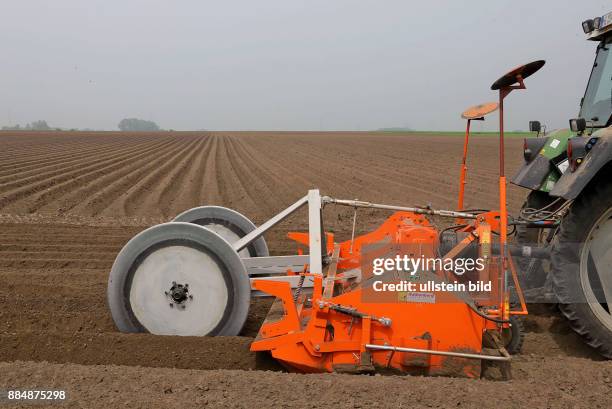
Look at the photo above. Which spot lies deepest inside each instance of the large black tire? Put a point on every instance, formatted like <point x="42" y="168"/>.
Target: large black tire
<point x="229" y="224"/>
<point x="153" y="264"/>
<point x="570" y="267"/>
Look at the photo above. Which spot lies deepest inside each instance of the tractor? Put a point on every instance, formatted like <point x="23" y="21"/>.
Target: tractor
<point x="569" y="173"/>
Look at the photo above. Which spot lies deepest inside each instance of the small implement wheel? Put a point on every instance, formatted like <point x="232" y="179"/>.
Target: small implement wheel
<point x="514" y="336"/>
<point x="179" y="279"/>
<point x="228" y="224"/>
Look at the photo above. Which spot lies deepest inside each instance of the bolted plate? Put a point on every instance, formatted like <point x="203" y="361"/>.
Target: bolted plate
<point x="478" y="111"/>
<point x="522" y="71"/>
<point x="152" y="280"/>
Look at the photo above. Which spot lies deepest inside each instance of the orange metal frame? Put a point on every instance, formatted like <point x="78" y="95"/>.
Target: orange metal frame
<point x="335" y="327"/>
<point x="313" y="337"/>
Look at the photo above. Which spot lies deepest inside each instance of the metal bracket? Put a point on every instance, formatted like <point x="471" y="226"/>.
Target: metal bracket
<point x="279" y="265"/>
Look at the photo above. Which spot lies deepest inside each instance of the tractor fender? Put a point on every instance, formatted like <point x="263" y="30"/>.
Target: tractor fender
<point x="534" y="173"/>
<point x="571" y="184"/>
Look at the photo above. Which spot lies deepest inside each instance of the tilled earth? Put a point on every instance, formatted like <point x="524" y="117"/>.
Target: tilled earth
<point x="70" y="201"/>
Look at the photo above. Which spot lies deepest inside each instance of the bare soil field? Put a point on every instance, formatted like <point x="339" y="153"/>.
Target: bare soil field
<point x="159" y="175"/>
<point x="70" y="201"/>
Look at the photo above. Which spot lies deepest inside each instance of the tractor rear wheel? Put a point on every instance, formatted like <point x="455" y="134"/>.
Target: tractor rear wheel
<point x="179" y="279"/>
<point x="227" y="223"/>
<point x="582" y="266"/>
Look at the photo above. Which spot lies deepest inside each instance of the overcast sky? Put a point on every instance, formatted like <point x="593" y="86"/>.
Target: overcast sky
<point x="282" y="64"/>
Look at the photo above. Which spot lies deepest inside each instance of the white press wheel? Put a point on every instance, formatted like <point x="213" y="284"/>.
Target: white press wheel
<point x="179" y="279"/>
<point x="229" y="224"/>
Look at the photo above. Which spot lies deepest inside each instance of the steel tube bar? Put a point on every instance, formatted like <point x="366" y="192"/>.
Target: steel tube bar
<point x="419" y="210"/>
<point x="434" y="352"/>
<point x="246" y="240"/>
<point x="315" y="232"/>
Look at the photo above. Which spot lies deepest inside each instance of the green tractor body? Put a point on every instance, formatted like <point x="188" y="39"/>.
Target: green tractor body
<point x="569" y="173"/>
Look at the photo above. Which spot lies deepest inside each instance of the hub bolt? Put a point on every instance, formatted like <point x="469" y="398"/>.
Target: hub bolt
<point x="178" y="294"/>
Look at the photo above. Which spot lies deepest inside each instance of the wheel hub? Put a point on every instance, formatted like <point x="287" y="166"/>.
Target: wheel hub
<point x="179" y="295"/>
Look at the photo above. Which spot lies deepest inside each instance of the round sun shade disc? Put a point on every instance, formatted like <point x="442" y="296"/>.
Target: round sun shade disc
<point x="478" y="111"/>
<point x="523" y="71"/>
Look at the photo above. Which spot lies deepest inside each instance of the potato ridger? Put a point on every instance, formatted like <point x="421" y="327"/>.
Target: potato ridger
<point x="196" y="275"/>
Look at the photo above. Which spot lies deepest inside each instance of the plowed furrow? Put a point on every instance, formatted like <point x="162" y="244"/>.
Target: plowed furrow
<point x="287" y="169"/>
<point x="144" y="192"/>
<point x="318" y="171"/>
<point x="129" y="187"/>
<point x="233" y="191"/>
<point x="84" y="168"/>
<point x="35" y="150"/>
<point x="49" y="164"/>
<point x="264" y="187"/>
<point x="67" y="240"/>
<point x="369" y="175"/>
<point x="33" y="153"/>
<point x="262" y="191"/>
<point x="208" y="192"/>
<point x="87" y="182"/>
<point x="116" y="184"/>
<point x="196" y="177"/>
<point x="70" y="174"/>
<point x="61" y="230"/>
<point x="56" y="263"/>
<point x="56" y="255"/>
<point x="78" y="247"/>
<point x="176" y="183"/>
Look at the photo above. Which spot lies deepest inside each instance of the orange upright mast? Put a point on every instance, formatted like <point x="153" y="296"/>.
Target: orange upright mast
<point x="505" y="85"/>
<point x="462" y="177"/>
<point x="475" y="113"/>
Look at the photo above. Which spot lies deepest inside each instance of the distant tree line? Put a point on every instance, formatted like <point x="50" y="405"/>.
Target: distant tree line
<point x="135" y="124"/>
<point x="34" y="126"/>
<point x="126" y="124"/>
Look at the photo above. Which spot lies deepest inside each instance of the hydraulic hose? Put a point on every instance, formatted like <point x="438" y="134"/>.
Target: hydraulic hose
<point x="485" y="316"/>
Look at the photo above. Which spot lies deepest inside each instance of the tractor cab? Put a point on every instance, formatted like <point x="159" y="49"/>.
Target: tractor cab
<point x="596" y="105"/>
